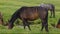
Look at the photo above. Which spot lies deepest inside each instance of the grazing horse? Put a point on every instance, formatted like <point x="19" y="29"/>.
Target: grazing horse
<point x="50" y="7"/>
<point x="30" y="14"/>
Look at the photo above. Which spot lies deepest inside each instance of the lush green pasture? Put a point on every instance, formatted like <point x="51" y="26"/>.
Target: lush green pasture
<point x="8" y="7"/>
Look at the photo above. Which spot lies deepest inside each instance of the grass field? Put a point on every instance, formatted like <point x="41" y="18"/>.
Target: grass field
<point x="8" y="7"/>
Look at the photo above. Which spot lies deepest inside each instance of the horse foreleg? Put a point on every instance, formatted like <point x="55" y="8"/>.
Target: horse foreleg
<point x="26" y="23"/>
<point x="28" y="26"/>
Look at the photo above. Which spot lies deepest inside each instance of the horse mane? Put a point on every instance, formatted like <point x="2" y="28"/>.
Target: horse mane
<point x="15" y="15"/>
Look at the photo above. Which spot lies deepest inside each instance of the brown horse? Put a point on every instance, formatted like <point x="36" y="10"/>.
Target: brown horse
<point x="30" y="14"/>
<point x="50" y="7"/>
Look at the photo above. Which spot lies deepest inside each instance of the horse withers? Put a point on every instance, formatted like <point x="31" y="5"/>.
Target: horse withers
<point x="50" y="7"/>
<point x="30" y="14"/>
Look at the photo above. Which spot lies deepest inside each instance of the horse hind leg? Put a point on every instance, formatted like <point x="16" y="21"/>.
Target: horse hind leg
<point x="44" y="24"/>
<point x="46" y="27"/>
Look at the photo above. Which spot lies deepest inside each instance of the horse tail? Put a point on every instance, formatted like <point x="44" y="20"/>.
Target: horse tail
<point x="53" y="9"/>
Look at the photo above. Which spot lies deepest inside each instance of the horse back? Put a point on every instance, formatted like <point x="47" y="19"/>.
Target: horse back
<point x="29" y="13"/>
<point x="32" y="13"/>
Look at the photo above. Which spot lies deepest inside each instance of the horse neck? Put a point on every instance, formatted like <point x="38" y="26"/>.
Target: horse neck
<point x="14" y="17"/>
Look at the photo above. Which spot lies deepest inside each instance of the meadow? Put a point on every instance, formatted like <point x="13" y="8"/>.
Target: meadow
<point x="8" y="7"/>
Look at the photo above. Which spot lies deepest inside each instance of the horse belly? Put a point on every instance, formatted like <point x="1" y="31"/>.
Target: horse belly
<point x="23" y="15"/>
<point x="29" y="16"/>
<point x="33" y="16"/>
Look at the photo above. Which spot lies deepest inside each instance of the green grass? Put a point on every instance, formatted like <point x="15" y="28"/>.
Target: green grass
<point x="8" y="7"/>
